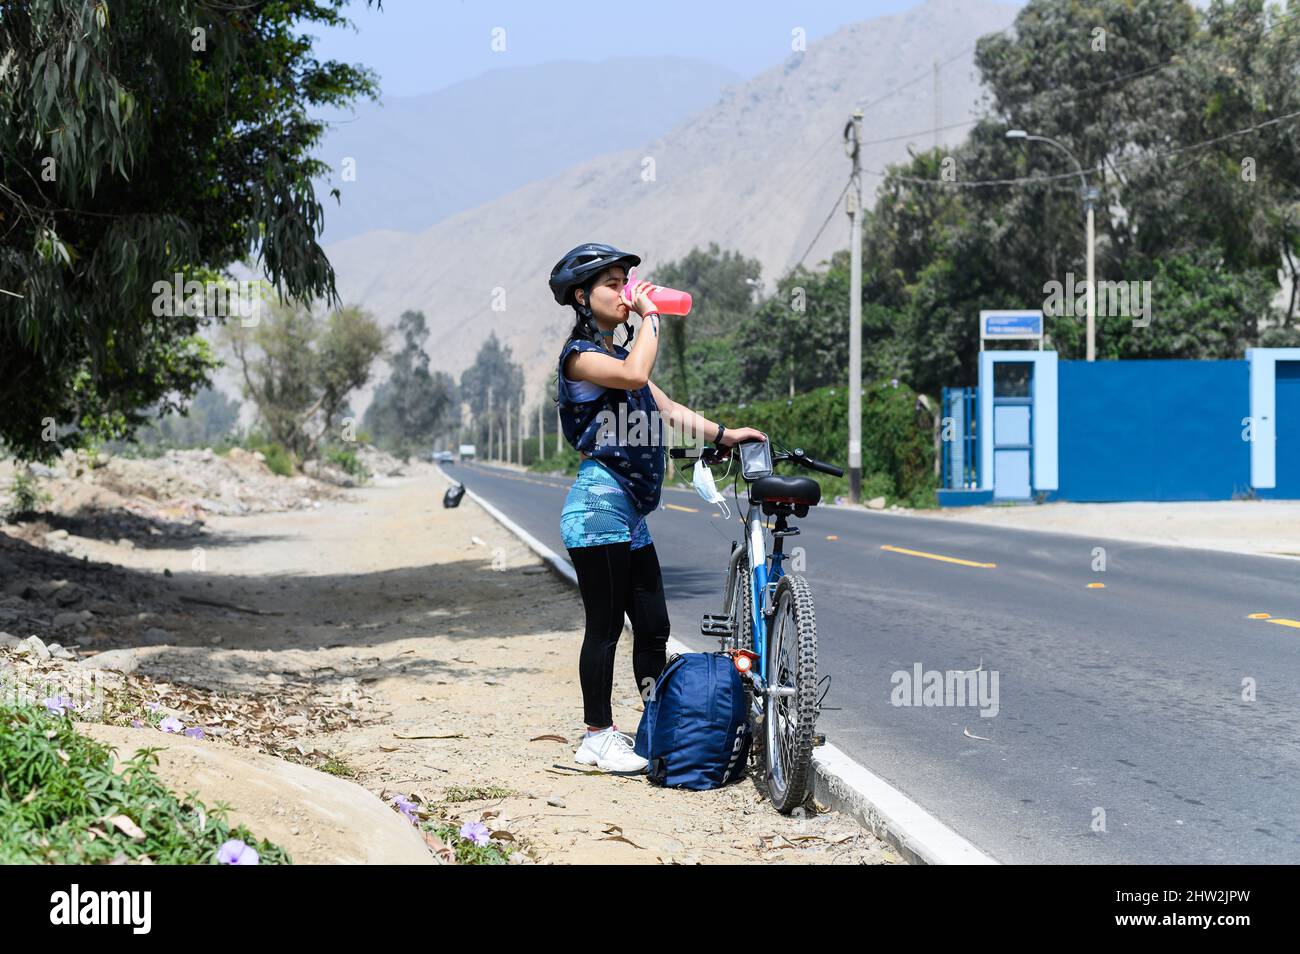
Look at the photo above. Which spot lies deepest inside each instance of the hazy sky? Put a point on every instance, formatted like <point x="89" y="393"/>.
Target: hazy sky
<point x="418" y="46"/>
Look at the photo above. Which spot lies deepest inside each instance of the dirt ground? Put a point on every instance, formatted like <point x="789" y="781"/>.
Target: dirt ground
<point x="466" y="647"/>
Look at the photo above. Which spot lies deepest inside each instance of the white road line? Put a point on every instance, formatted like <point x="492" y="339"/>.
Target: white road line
<point x="840" y="783"/>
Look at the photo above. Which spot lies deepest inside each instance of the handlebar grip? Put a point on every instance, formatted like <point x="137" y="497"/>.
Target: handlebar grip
<point x="825" y="468"/>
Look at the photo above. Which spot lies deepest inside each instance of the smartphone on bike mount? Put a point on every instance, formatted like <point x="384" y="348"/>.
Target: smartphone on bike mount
<point x="755" y="459"/>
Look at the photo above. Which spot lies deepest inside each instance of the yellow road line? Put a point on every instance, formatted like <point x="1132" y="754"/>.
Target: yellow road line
<point x="1285" y="622"/>
<point x="681" y="508"/>
<point x="936" y="556"/>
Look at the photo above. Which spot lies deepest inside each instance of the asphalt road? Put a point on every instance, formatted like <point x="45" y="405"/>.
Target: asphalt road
<point x="1122" y="705"/>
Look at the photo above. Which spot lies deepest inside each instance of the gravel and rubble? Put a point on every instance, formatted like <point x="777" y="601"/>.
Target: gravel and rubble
<point x="177" y="486"/>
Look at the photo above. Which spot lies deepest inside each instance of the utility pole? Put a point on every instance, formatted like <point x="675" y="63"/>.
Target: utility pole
<point x="852" y="137"/>
<point x="505" y="450"/>
<point x="521" y="430"/>
<point x="489" y="423"/>
<point x="541" y="430"/>
<point x="1089" y="200"/>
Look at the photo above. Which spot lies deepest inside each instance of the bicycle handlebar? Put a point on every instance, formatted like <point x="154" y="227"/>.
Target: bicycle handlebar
<point x="714" y="455"/>
<point x="811" y="464"/>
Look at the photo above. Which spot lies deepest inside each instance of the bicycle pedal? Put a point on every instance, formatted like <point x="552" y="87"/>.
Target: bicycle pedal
<point x="713" y="624"/>
<point x="787" y="532"/>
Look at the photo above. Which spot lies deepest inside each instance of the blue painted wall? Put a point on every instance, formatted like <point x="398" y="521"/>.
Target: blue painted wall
<point x="1153" y="430"/>
<point x="1287" y="383"/>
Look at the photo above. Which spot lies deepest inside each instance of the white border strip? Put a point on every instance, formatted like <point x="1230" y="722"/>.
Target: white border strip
<point x="849" y="787"/>
<point x="840" y="783"/>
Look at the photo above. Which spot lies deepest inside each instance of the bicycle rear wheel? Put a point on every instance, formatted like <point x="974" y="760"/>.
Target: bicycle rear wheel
<point x="790" y="717"/>
<point x="738" y="607"/>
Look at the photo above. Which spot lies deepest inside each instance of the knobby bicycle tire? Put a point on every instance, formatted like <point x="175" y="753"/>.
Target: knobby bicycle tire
<point x="793" y="593"/>
<point x="739" y="609"/>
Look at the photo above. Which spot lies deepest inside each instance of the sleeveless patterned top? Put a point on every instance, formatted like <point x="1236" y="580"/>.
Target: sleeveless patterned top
<point x="619" y="429"/>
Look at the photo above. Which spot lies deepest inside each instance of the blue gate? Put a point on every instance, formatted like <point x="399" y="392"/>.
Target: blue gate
<point x="960" y="436"/>
<point x="1288" y="429"/>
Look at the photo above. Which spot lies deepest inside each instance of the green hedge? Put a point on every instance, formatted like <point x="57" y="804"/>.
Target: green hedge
<point x="897" y="444"/>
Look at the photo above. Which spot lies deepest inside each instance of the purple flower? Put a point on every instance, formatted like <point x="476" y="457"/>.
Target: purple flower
<point x="58" y="705"/>
<point x="235" y="852"/>
<point x="195" y="733"/>
<point x="894" y="382"/>
<point x="406" y="807"/>
<point x="171" y="724"/>
<point x="474" y="831"/>
<point x="153" y="706"/>
<point x="136" y="723"/>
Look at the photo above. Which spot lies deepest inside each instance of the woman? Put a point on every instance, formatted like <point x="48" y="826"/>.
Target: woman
<point x="618" y="484"/>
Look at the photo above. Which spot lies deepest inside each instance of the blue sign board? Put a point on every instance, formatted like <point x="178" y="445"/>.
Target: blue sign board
<point x="1009" y="325"/>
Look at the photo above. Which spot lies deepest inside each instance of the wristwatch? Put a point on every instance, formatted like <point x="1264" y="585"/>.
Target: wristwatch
<point x="721" y="430"/>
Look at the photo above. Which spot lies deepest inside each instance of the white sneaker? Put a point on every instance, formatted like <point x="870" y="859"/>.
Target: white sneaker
<point x="610" y="751"/>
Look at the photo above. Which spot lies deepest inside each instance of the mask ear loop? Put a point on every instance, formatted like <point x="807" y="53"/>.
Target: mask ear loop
<point x="682" y="479"/>
<point x="726" y="511"/>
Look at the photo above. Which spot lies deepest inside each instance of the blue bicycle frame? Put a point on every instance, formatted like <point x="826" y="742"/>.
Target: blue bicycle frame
<point x="765" y="571"/>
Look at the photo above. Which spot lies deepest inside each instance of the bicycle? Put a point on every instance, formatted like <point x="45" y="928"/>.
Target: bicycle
<point x="780" y="673"/>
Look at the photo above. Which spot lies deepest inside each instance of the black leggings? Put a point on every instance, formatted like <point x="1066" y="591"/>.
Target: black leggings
<point x="615" y="579"/>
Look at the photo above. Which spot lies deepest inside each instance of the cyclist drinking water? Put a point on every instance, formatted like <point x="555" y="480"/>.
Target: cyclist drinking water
<point x="613" y="415"/>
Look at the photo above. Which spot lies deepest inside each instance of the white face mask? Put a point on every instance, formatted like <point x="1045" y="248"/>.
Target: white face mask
<point x="706" y="488"/>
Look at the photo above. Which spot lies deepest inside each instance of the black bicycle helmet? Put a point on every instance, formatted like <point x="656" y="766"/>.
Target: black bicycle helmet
<point x="580" y="265"/>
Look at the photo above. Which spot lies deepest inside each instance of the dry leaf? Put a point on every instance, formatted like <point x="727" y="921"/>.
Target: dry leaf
<point x="126" y="826"/>
<point x="548" y="738"/>
<point x="414" y="735"/>
<point x="441" y="850"/>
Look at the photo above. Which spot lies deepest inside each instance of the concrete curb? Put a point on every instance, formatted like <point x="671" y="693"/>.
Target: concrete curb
<point x="840" y="783"/>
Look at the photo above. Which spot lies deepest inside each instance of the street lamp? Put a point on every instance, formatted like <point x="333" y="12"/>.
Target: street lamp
<point x="1089" y="194"/>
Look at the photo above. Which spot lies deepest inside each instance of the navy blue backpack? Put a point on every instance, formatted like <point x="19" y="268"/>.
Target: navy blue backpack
<point x="694" y="731"/>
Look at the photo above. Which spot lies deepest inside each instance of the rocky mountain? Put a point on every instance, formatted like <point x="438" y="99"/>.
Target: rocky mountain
<point x="758" y="170"/>
<point x="414" y="160"/>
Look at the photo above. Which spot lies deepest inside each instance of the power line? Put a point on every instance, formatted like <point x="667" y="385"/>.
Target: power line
<point x="1174" y="61"/>
<point x="824" y="224"/>
<point x="1020" y="180"/>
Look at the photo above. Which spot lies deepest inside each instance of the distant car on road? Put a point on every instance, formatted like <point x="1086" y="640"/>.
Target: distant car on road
<point x="442" y="457"/>
<point x="467" y="452"/>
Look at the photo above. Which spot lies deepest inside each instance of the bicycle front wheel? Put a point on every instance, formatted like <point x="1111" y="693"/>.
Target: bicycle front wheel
<point x="790" y="719"/>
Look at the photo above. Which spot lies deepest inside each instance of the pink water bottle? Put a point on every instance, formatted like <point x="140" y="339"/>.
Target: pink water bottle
<point x="669" y="301"/>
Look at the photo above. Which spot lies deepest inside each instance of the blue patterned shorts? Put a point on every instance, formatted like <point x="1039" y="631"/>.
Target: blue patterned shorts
<point x="598" y="511"/>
